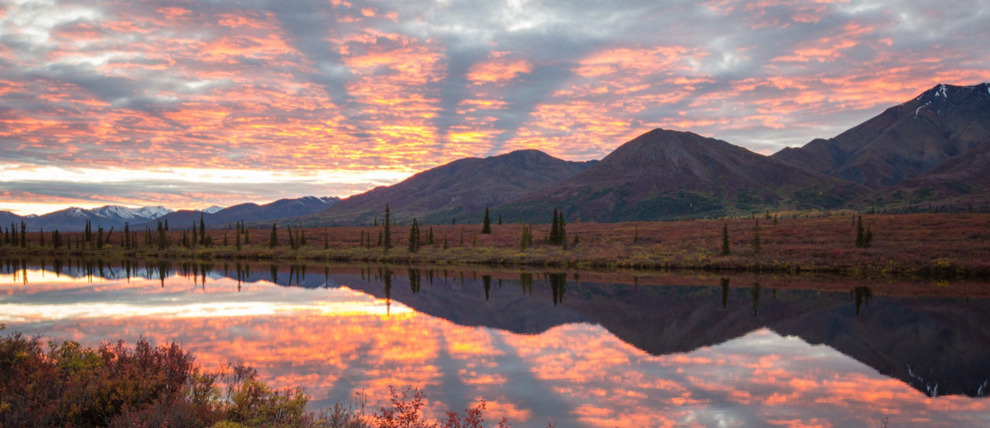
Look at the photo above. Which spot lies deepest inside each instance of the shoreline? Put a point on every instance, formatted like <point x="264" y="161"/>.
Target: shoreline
<point x="926" y="246"/>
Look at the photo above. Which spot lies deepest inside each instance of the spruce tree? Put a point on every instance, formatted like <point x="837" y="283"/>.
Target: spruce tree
<point x="414" y="237"/>
<point x="561" y="230"/>
<point x="202" y="230"/>
<point x="554" y="230"/>
<point x="526" y="240"/>
<point x="387" y="233"/>
<point x="486" y="226"/>
<point x="41" y="236"/>
<point x="860" y="234"/>
<point x="725" y="240"/>
<point x="756" y="239"/>
<point x="273" y="239"/>
<point x="24" y="235"/>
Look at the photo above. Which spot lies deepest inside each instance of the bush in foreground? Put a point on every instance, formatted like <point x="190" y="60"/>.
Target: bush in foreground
<point x="119" y="386"/>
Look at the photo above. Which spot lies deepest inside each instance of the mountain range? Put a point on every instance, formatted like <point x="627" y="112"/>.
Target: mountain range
<point x="931" y="151"/>
<point x="114" y="216"/>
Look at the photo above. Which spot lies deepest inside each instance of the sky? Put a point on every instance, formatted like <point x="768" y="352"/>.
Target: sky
<point x="191" y="104"/>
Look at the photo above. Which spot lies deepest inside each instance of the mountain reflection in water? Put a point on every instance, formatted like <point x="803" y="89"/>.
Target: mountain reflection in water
<point x="540" y="346"/>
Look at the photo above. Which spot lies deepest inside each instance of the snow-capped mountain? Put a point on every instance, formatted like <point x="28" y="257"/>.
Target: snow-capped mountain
<point x="75" y="218"/>
<point x="212" y="210"/>
<point x="129" y="214"/>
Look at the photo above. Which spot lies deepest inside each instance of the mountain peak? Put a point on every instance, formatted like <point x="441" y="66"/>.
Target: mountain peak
<point x="904" y="141"/>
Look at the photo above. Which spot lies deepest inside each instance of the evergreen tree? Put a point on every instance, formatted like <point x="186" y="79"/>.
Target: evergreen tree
<point x="756" y="239"/>
<point x="860" y="234"/>
<point x="387" y="242"/>
<point x="273" y="239"/>
<point x="414" y="237"/>
<point x="553" y="239"/>
<point x="162" y="243"/>
<point x="247" y="238"/>
<point x="486" y="226"/>
<point x="292" y="241"/>
<point x="561" y="229"/>
<point x="99" y="237"/>
<point x="41" y="237"/>
<point x="526" y="240"/>
<point x="500" y="219"/>
<point x="202" y="230"/>
<point x="558" y="233"/>
<point x="868" y="237"/>
<point x="237" y="241"/>
<point x="127" y="236"/>
<point x="190" y="242"/>
<point x="23" y="235"/>
<point x="429" y="237"/>
<point x="725" y="240"/>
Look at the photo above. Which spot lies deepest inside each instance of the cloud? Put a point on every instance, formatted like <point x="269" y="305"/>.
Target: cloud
<point x="353" y="85"/>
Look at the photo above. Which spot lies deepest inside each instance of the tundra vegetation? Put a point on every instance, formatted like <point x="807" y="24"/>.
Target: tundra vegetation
<point x="844" y="242"/>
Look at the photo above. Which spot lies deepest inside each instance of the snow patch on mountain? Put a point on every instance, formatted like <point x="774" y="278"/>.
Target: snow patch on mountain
<point x="212" y="210"/>
<point x="125" y="213"/>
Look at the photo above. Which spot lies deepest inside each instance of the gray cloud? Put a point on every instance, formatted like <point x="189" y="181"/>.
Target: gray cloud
<point x="759" y="75"/>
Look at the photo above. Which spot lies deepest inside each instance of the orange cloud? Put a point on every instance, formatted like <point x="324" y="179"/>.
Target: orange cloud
<point x="498" y="70"/>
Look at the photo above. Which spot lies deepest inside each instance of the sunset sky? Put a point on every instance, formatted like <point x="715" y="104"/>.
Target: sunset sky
<point x="191" y="104"/>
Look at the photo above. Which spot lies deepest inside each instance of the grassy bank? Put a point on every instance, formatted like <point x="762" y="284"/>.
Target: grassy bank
<point x="926" y="245"/>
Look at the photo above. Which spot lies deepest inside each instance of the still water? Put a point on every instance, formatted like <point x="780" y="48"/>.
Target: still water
<point x="569" y="348"/>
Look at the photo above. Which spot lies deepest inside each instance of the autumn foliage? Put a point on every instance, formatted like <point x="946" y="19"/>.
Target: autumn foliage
<point x="145" y="386"/>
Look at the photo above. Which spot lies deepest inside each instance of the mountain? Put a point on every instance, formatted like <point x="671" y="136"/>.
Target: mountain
<point x="668" y="174"/>
<point x="74" y="219"/>
<point x="212" y="209"/>
<point x="960" y="181"/>
<point x="903" y="142"/>
<point x="7" y="217"/>
<point x="461" y="188"/>
<point x="251" y="212"/>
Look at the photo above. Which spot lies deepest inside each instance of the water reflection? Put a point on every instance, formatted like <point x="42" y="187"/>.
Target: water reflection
<point x="539" y="347"/>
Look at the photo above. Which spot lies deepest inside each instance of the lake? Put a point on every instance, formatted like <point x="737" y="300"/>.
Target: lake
<point x="572" y="348"/>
